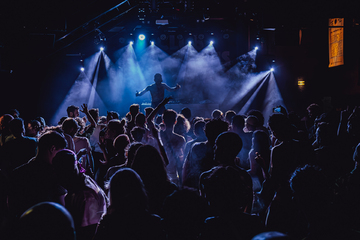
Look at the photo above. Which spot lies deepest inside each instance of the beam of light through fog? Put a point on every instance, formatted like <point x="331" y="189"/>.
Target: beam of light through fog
<point x="255" y="94"/>
<point x="184" y="55"/>
<point x="273" y="98"/>
<point x="77" y="95"/>
<point x="128" y="80"/>
<point x="238" y="88"/>
<point x="150" y="64"/>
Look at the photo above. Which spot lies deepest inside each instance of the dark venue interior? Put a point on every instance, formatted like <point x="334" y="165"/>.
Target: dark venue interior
<point x="186" y="119"/>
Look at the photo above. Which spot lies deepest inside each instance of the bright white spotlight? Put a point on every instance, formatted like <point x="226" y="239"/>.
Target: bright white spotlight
<point x="271" y="69"/>
<point x="211" y="42"/>
<point x="131" y="42"/>
<point x="141" y="37"/>
<point x="256" y="48"/>
<point x="101" y="49"/>
<point x="82" y="69"/>
<point x="189" y="42"/>
<point x="152" y="43"/>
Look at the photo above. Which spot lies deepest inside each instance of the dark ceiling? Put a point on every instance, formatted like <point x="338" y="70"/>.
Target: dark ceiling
<point x="54" y="25"/>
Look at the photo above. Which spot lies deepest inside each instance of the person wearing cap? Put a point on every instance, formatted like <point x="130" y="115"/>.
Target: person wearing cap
<point x="157" y="91"/>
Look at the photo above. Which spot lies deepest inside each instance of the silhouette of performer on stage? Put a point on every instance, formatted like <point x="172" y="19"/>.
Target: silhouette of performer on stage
<point x="157" y="91"/>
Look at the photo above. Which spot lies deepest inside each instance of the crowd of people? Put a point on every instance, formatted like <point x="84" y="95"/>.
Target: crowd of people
<point x="162" y="174"/>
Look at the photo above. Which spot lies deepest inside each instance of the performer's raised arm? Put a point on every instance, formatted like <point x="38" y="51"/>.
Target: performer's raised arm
<point x="171" y="89"/>
<point x="142" y="92"/>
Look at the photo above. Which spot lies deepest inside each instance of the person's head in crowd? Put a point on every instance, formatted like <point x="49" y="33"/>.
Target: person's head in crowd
<point x="217" y="114"/>
<point x="148" y="111"/>
<point x="280" y="126"/>
<point x="169" y="118"/>
<point x="197" y="118"/>
<point x="134" y="109"/>
<point x="251" y="123"/>
<point x="213" y="128"/>
<point x="258" y="115"/>
<point x="111" y="115"/>
<point x="66" y="168"/>
<point x="130" y="152"/>
<point x="311" y="189"/>
<point x="62" y="119"/>
<point x="115" y="127"/>
<point x="70" y="126"/>
<point x="199" y="129"/>
<point x="121" y="142"/>
<point x="4" y="123"/>
<point x="229" y="114"/>
<point x="182" y="125"/>
<point x="314" y="110"/>
<point x="33" y="128"/>
<point x="137" y="133"/>
<point x="184" y="212"/>
<point x="102" y="120"/>
<point x="14" y="112"/>
<point x="158" y="78"/>
<point x="186" y="112"/>
<point x="49" y="144"/>
<point x="149" y="164"/>
<point x="237" y="123"/>
<point x="17" y="127"/>
<point x="227" y="147"/>
<point x="42" y="121"/>
<point x="226" y="191"/>
<point x="73" y="111"/>
<point x="44" y="221"/>
<point x="127" y="193"/>
<point x="140" y="120"/>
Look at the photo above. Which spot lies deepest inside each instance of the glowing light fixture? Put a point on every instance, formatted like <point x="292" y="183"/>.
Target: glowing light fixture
<point x="211" y="42"/>
<point x="271" y="69"/>
<point x="256" y="48"/>
<point x="141" y="37"/>
<point x="301" y="81"/>
<point x="101" y="49"/>
<point x="152" y="43"/>
<point x="189" y="42"/>
<point x="82" y="69"/>
<point x="131" y="42"/>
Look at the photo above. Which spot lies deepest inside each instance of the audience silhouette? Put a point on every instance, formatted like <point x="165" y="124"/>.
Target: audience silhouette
<point x="171" y="175"/>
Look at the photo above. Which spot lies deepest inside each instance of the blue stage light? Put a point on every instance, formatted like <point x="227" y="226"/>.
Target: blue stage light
<point x="141" y="37"/>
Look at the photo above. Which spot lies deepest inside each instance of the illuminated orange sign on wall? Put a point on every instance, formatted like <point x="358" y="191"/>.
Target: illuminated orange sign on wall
<point x="336" y="42"/>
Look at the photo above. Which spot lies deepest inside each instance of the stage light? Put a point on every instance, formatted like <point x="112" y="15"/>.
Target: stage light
<point x="131" y="42"/>
<point x="189" y="43"/>
<point x="271" y="69"/>
<point x="141" y="37"/>
<point x="256" y="48"/>
<point x="211" y="42"/>
<point x="101" y="49"/>
<point x="152" y="43"/>
<point x="82" y="69"/>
